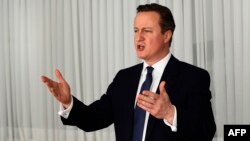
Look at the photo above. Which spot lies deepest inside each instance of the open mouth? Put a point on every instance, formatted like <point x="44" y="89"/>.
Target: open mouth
<point x="140" y="47"/>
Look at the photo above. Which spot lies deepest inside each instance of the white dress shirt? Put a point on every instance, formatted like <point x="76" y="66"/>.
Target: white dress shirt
<point x="157" y="74"/>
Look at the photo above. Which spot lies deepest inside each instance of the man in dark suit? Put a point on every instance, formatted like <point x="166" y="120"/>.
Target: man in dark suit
<point x="175" y="106"/>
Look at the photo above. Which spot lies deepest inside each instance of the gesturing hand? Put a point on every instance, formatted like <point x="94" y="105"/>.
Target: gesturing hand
<point x="60" y="89"/>
<point x="158" y="105"/>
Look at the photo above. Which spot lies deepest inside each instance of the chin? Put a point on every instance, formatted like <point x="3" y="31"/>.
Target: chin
<point x="141" y="56"/>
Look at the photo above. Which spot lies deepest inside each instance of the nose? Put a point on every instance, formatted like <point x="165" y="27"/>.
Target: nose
<point x="139" y="36"/>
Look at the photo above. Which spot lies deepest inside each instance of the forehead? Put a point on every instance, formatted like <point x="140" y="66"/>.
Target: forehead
<point x="147" y="19"/>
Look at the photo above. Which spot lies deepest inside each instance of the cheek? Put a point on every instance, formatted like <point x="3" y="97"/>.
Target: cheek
<point x="154" y="42"/>
<point x="151" y="40"/>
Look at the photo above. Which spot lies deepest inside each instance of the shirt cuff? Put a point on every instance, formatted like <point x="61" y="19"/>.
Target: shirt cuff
<point x="174" y="126"/>
<point x="65" y="112"/>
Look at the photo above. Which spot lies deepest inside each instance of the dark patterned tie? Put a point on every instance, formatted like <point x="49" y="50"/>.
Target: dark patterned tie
<point x="139" y="114"/>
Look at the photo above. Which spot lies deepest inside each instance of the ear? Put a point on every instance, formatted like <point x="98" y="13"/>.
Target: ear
<point x="167" y="36"/>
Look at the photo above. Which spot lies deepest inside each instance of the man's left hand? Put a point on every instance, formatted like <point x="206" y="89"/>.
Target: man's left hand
<point x="158" y="105"/>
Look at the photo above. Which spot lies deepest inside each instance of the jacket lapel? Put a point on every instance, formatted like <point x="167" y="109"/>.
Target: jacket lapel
<point x="131" y="91"/>
<point x="169" y="75"/>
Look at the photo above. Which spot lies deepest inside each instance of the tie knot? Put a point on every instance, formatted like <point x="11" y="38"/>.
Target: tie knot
<point x="150" y="69"/>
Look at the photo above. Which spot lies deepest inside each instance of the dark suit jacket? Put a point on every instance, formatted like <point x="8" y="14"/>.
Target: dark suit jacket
<point x="188" y="89"/>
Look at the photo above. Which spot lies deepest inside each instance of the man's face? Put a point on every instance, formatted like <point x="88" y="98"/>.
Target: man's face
<point x="150" y="44"/>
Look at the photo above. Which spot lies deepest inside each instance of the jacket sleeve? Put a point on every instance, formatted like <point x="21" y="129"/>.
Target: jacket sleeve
<point x="195" y="121"/>
<point x="92" y="117"/>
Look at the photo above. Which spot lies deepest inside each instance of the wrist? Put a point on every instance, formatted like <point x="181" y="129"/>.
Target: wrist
<point x="68" y="103"/>
<point x="170" y="114"/>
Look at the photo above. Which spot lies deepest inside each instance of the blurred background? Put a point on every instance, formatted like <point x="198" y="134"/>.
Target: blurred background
<point x="90" y="40"/>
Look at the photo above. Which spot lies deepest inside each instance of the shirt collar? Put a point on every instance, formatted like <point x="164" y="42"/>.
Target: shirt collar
<point x="160" y="65"/>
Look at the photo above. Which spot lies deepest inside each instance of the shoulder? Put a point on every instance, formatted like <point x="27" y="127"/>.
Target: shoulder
<point x="186" y="68"/>
<point x="193" y="74"/>
<point x="129" y="73"/>
<point x="131" y="70"/>
<point x="192" y="69"/>
<point x="197" y="75"/>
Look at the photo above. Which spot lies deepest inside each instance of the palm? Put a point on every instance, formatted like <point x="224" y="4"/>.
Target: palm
<point x="60" y="89"/>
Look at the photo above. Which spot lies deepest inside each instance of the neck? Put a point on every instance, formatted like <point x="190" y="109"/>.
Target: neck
<point x="152" y="62"/>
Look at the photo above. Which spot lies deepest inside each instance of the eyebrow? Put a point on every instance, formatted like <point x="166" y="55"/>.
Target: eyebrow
<point x="144" y="28"/>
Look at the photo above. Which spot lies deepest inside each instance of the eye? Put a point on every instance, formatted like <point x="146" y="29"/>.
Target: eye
<point x="135" y="30"/>
<point x="147" y="30"/>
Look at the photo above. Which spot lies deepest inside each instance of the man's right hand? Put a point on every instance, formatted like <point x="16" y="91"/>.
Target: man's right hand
<point x="60" y="89"/>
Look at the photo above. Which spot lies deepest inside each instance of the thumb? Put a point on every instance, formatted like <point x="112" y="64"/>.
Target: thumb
<point x="162" y="88"/>
<point x="59" y="75"/>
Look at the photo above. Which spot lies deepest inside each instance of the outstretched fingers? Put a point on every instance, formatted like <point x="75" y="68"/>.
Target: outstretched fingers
<point x="59" y="76"/>
<point x="48" y="81"/>
<point x="51" y="85"/>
